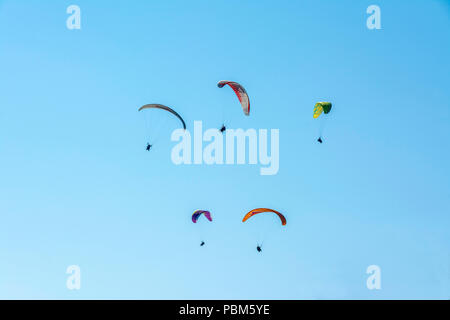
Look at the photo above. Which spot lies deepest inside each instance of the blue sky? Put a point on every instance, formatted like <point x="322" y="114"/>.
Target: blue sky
<point x="78" y="188"/>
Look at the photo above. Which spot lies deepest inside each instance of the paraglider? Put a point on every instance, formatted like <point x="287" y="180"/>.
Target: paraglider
<point x="319" y="108"/>
<point x="256" y="211"/>
<point x="242" y="96"/>
<point x="197" y="214"/>
<point x="253" y="212"/>
<point x="240" y="92"/>
<point x="162" y="107"/>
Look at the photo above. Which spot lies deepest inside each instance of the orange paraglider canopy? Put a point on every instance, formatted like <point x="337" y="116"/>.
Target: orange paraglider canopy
<point x="251" y="213"/>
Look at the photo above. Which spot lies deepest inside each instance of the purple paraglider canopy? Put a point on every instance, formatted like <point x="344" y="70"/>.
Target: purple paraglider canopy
<point x="198" y="213"/>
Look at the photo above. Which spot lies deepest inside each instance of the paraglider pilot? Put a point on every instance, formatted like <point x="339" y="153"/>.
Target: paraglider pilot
<point x="320" y="139"/>
<point x="202" y="244"/>
<point x="223" y="128"/>
<point x="149" y="146"/>
<point x="258" y="247"/>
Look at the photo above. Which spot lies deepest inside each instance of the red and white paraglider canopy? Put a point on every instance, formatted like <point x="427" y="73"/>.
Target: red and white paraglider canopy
<point x="240" y="92"/>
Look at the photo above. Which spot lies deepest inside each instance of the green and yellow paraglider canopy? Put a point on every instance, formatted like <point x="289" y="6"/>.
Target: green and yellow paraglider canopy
<point x="320" y="107"/>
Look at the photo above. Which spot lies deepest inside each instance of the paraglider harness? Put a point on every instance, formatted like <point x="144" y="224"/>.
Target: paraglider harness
<point x="149" y="146"/>
<point x="223" y="128"/>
